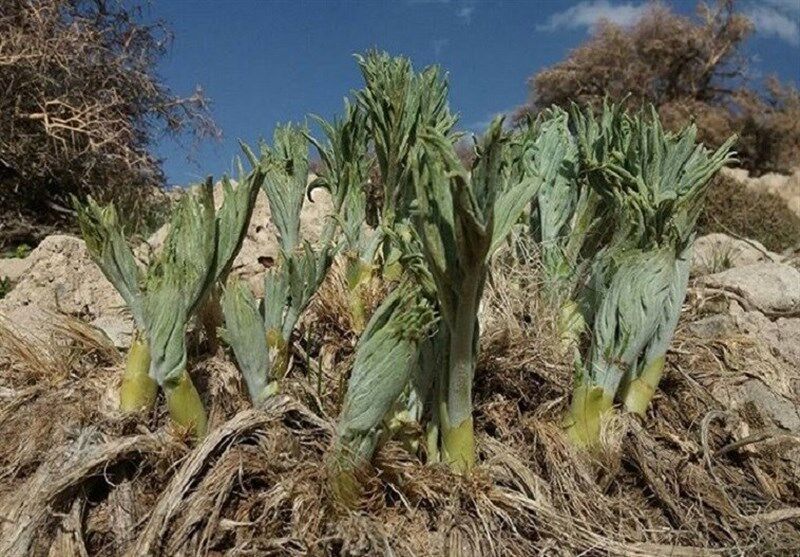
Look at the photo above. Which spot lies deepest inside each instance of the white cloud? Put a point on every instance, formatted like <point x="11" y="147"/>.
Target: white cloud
<point x="786" y="6"/>
<point x="777" y="18"/>
<point x="439" y="46"/>
<point x="465" y="14"/>
<point x="588" y="14"/>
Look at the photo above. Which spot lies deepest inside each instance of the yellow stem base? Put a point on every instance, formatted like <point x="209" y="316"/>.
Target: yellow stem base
<point x="458" y="447"/>
<point x="640" y="391"/>
<point x="278" y="354"/>
<point x="185" y="407"/>
<point x="358" y="276"/>
<point x="589" y="406"/>
<point x="138" y="391"/>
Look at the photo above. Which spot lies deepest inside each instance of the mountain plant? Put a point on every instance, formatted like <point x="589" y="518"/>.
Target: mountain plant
<point x="198" y="252"/>
<point x="260" y="333"/>
<point x="455" y="218"/>
<point x="654" y="183"/>
<point x="346" y="165"/>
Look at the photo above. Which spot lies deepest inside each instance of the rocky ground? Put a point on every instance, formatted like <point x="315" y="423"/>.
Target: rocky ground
<point x="714" y="469"/>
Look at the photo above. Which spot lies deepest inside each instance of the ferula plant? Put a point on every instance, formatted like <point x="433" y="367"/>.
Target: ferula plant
<point x="654" y="183"/>
<point x="260" y="333"/>
<point x="461" y="218"/>
<point x="198" y="251"/>
<point x="417" y="357"/>
<point x="345" y="172"/>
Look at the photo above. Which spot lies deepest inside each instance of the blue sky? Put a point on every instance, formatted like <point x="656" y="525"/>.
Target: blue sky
<point x="265" y="62"/>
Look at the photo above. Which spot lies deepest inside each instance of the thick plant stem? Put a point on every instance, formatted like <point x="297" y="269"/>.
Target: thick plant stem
<point x="211" y="318"/>
<point x="458" y="445"/>
<point x="185" y="407"/>
<point x="458" y="438"/>
<point x="138" y="390"/>
<point x="589" y="406"/>
<point x="640" y="391"/>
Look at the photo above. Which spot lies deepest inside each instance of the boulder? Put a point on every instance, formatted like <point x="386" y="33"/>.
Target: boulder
<point x="62" y="278"/>
<point x="718" y="252"/>
<point x="781" y="336"/>
<point x="767" y="360"/>
<point x="770" y="288"/>
<point x="758" y="321"/>
<point x="13" y="268"/>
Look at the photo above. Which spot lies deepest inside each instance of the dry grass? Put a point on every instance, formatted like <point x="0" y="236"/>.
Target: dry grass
<point x="694" y="478"/>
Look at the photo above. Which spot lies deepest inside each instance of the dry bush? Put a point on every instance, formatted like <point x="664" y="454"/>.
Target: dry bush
<point x="80" y="108"/>
<point x="758" y="215"/>
<point x="690" y="70"/>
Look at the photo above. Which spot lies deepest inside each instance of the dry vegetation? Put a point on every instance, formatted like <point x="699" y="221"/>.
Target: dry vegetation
<point x="81" y="105"/>
<point x="762" y="216"/>
<point x="693" y="479"/>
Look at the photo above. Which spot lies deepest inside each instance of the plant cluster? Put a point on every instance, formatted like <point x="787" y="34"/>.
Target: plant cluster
<point x="612" y="199"/>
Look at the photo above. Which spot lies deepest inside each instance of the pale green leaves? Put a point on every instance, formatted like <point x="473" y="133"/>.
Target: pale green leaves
<point x="260" y="336"/>
<point x="559" y="207"/>
<point x="199" y="249"/>
<point x="286" y="180"/>
<point x="245" y="333"/>
<point x="386" y="355"/>
<point x="631" y="298"/>
<point x="462" y="217"/>
<point x="233" y="219"/>
<point x="400" y="104"/>
<point x="345" y="172"/>
<point x="653" y="183"/>
<point x="177" y="280"/>
<point x="108" y="247"/>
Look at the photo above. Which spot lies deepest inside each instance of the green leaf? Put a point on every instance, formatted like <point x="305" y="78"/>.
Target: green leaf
<point x="245" y="333"/>
<point x="386" y="354"/>
<point x="401" y="104"/>
<point x="233" y="218"/>
<point x="285" y="182"/>
<point x="177" y="280"/>
<point x="109" y="249"/>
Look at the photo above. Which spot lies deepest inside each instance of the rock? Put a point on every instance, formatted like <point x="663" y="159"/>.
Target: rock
<point x="13" y="268"/>
<point x="118" y="328"/>
<point x="760" y="329"/>
<point x="782" y="410"/>
<point x="718" y="252"/>
<point x="770" y="288"/>
<point x="768" y="354"/>
<point x="62" y="278"/>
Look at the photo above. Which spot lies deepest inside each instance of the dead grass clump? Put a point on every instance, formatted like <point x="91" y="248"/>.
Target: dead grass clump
<point x="50" y="391"/>
<point x="696" y="477"/>
<point x="521" y="356"/>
